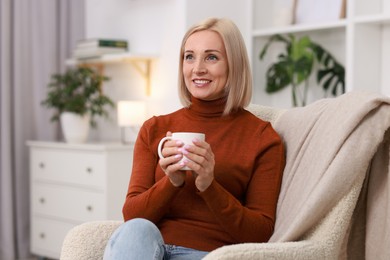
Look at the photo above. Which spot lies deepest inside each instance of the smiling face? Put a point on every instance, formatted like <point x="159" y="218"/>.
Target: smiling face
<point x="205" y="65"/>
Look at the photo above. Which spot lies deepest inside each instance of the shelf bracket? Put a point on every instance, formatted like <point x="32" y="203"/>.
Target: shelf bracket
<point x="140" y="63"/>
<point x="144" y="71"/>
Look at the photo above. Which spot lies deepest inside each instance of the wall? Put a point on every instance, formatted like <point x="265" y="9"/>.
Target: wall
<point x="152" y="27"/>
<point x="238" y="11"/>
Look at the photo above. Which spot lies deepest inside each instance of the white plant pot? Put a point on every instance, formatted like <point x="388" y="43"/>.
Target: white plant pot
<point x="75" y="128"/>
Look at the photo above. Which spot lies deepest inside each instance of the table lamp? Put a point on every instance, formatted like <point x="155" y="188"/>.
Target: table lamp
<point x="131" y="115"/>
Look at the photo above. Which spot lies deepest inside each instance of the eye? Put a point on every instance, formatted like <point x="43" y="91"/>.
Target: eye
<point x="188" y="57"/>
<point x="212" y="57"/>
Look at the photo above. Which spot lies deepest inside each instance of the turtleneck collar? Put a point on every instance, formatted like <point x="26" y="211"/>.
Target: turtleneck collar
<point x="204" y="108"/>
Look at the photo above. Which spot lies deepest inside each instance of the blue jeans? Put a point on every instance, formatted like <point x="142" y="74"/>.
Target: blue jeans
<point x="140" y="239"/>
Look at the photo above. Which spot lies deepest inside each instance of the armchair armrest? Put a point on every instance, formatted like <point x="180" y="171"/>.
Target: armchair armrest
<point x="301" y="250"/>
<point x="88" y="240"/>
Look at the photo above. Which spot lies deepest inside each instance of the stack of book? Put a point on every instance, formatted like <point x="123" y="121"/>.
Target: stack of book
<point x="94" y="48"/>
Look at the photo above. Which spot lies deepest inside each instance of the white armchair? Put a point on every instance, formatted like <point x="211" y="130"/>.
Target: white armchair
<point x="332" y="147"/>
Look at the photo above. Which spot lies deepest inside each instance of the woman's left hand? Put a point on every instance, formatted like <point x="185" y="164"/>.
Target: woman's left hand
<point x="202" y="163"/>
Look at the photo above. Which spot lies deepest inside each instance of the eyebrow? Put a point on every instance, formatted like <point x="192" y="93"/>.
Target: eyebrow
<point x="211" y="50"/>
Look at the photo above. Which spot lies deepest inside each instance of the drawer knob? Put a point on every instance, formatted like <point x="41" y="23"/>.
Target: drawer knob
<point x="89" y="208"/>
<point x="41" y="165"/>
<point x="42" y="235"/>
<point x="42" y="200"/>
<point x="89" y="170"/>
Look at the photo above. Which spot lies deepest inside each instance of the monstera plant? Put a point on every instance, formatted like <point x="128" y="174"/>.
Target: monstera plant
<point x="295" y="65"/>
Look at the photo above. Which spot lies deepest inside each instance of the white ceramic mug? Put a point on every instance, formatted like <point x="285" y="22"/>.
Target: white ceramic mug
<point x="186" y="138"/>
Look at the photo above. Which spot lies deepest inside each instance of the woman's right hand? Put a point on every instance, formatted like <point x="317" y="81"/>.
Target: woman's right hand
<point x="169" y="164"/>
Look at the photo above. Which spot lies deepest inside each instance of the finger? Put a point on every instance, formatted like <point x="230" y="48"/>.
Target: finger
<point x="173" y="143"/>
<point x="197" y="150"/>
<point x="195" y="167"/>
<point x="199" y="162"/>
<point x="198" y="159"/>
<point x="174" y="168"/>
<point x="167" y="161"/>
<point x="171" y="148"/>
<point x="200" y="143"/>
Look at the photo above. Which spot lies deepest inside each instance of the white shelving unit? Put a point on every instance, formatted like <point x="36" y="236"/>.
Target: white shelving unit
<point x="361" y="42"/>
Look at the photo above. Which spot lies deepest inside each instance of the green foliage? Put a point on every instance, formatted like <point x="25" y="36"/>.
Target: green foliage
<point x="78" y="90"/>
<point x="295" y="65"/>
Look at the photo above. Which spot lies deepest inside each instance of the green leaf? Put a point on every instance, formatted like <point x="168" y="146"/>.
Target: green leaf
<point x="77" y="90"/>
<point x="277" y="77"/>
<point x="274" y="38"/>
<point x="295" y="64"/>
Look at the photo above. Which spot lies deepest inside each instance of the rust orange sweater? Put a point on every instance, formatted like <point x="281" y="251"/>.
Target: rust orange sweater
<point x="240" y="204"/>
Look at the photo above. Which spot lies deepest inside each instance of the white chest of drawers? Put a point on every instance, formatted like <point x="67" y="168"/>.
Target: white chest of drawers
<point x="71" y="184"/>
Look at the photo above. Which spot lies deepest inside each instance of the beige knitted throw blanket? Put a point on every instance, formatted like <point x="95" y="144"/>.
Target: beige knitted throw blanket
<point x="330" y="144"/>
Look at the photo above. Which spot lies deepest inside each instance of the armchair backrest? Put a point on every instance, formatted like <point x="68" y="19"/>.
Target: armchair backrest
<point x="331" y="230"/>
<point x="330" y="147"/>
<point x="266" y="113"/>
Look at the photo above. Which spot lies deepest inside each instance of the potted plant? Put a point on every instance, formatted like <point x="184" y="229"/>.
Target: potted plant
<point x="295" y="65"/>
<point x="77" y="99"/>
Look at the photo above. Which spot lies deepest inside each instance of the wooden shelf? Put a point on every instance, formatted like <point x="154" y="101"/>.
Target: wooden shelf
<point x="141" y="63"/>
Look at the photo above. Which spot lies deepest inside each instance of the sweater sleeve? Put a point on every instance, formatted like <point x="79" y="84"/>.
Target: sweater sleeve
<point x="148" y="196"/>
<point x="253" y="219"/>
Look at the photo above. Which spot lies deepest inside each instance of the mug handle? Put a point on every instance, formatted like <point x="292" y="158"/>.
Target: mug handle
<point x="160" y="144"/>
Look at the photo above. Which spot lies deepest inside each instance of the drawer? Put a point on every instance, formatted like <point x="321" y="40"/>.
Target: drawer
<point x="47" y="236"/>
<point x="70" y="166"/>
<point x="67" y="202"/>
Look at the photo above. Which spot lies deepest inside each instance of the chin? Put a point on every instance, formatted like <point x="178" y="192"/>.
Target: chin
<point x="204" y="94"/>
<point x="199" y="95"/>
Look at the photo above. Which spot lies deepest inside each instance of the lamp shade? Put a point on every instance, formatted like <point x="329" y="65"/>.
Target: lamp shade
<point x="131" y="113"/>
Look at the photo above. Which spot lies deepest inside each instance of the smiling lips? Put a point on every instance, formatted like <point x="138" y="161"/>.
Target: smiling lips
<point x="201" y="82"/>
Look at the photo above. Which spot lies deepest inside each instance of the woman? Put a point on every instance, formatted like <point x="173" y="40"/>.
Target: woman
<point x="231" y="192"/>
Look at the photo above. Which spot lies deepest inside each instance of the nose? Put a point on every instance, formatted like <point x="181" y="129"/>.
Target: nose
<point x="199" y="68"/>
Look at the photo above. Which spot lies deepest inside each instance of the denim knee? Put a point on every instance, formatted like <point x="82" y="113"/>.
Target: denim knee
<point x="136" y="239"/>
<point x="142" y="229"/>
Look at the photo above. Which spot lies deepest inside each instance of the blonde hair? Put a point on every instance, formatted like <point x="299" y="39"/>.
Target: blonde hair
<point x="239" y="81"/>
